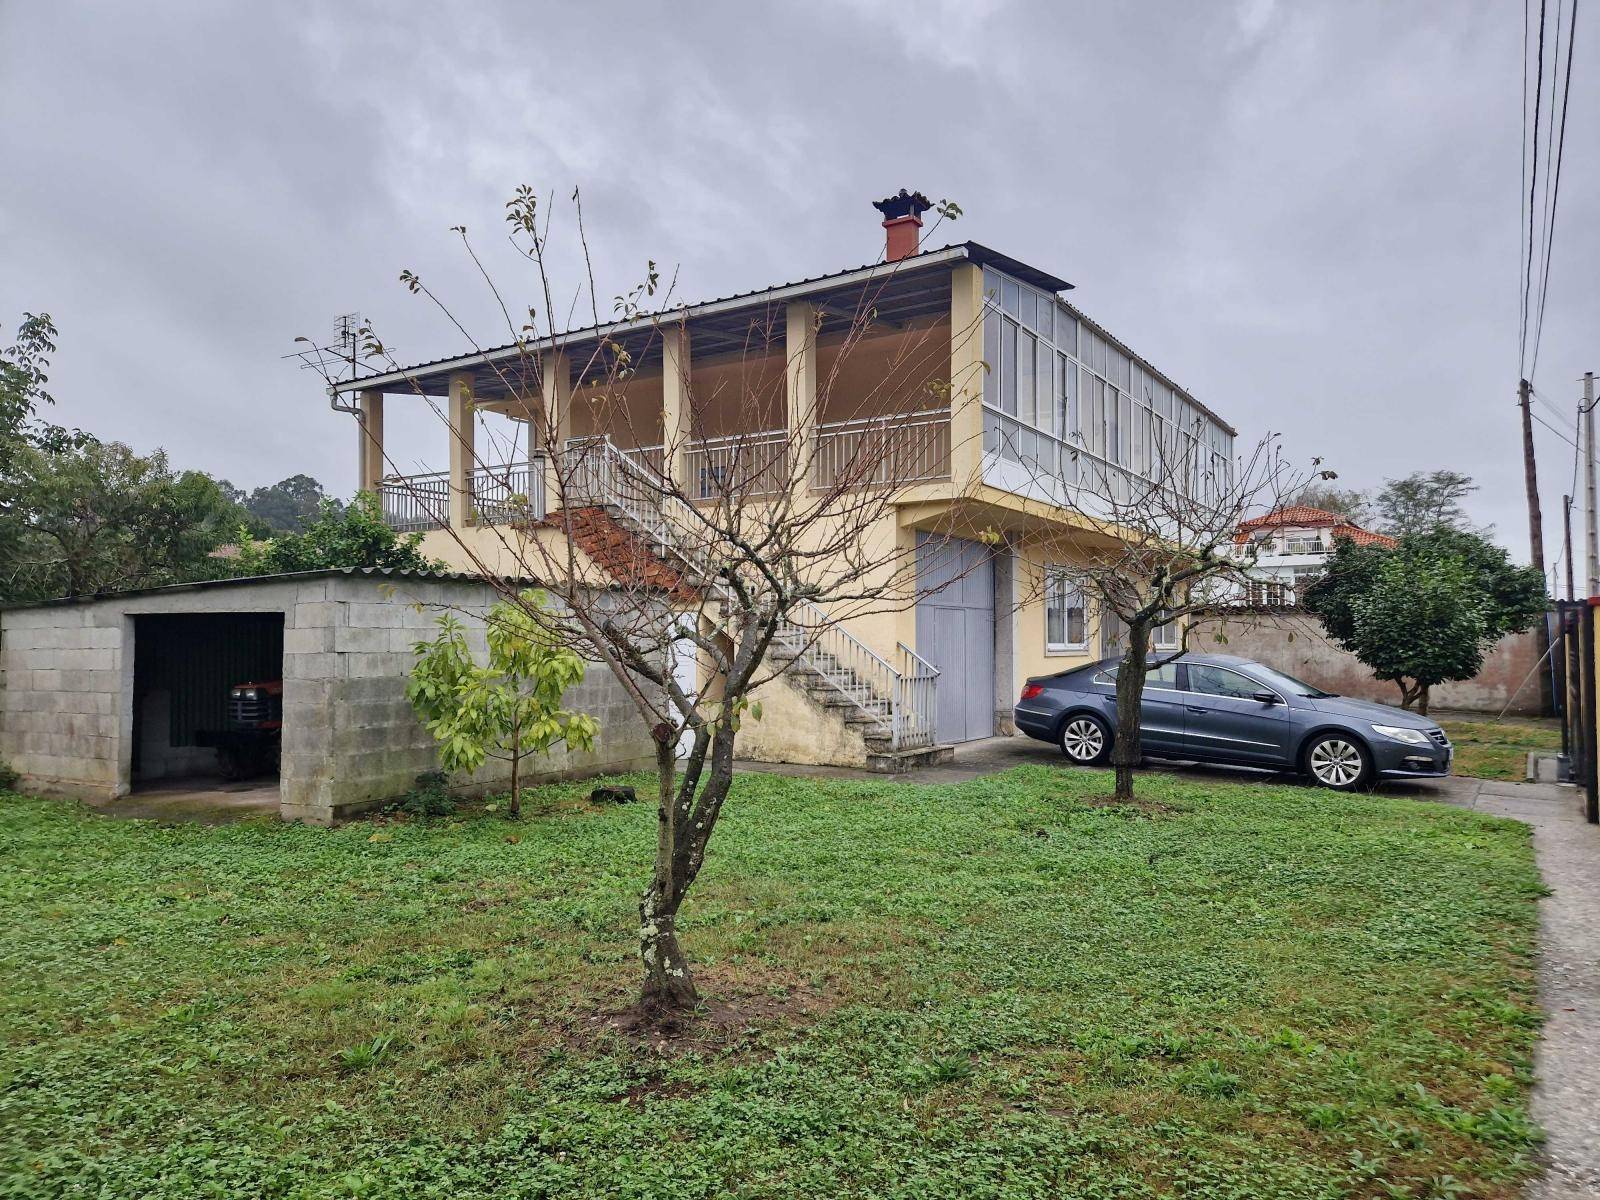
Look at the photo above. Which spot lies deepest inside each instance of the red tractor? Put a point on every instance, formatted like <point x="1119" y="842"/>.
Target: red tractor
<point x="252" y="742"/>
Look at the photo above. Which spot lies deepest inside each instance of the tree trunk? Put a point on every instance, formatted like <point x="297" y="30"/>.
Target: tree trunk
<point x="515" y="807"/>
<point x="1422" y="698"/>
<point x="1127" y="749"/>
<point x="668" y="983"/>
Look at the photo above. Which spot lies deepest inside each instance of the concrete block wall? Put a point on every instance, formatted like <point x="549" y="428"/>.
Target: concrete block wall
<point x="350" y="738"/>
<point x="348" y="657"/>
<point x="1295" y="642"/>
<point x="60" y="676"/>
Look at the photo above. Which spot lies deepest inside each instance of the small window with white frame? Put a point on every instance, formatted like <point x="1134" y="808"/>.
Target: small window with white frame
<point x="1165" y="637"/>
<point x="1065" y="624"/>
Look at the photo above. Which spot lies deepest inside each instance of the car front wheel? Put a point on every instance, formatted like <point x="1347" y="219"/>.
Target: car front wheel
<point x="1339" y="762"/>
<point x="1086" y="740"/>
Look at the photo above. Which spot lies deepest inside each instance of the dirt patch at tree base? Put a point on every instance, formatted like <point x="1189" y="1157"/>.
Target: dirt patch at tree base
<point x="732" y="1016"/>
<point x="1133" y="808"/>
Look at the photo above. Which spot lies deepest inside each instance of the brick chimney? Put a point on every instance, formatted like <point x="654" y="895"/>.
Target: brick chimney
<point x="902" y="223"/>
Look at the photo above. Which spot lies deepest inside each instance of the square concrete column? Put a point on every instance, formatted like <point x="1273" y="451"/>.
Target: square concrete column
<point x="676" y="423"/>
<point x="966" y="377"/>
<point x="463" y="450"/>
<point x="800" y="391"/>
<point x="553" y="420"/>
<point x="370" y="465"/>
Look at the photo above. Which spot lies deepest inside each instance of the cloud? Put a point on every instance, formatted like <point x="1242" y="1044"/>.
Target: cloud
<point x="1306" y="213"/>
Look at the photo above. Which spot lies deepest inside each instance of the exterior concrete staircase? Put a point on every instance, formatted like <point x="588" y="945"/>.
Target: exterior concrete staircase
<point x="892" y="705"/>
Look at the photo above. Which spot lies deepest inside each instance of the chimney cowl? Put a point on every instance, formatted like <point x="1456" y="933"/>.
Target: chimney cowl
<point x="902" y="218"/>
<point x="905" y="204"/>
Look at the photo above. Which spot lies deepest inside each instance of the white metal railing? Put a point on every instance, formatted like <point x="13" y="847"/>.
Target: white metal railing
<point x="900" y="703"/>
<point x="598" y="473"/>
<point x="513" y="492"/>
<point x="916" y="699"/>
<point x="648" y="457"/>
<point x="414" y="503"/>
<point x="746" y="464"/>
<point x="879" y="451"/>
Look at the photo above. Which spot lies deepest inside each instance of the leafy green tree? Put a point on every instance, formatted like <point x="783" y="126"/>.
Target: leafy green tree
<point x="507" y="709"/>
<point x="1426" y="611"/>
<point x="1351" y="503"/>
<point x="81" y="516"/>
<point x="1423" y="502"/>
<point x="23" y="374"/>
<point x="351" y="536"/>
<point x="289" y="506"/>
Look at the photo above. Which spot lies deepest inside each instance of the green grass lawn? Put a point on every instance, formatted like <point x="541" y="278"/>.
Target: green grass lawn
<point x="1499" y="749"/>
<point x="993" y="989"/>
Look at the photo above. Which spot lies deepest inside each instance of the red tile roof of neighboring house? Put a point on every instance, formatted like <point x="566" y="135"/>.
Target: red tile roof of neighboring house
<point x="623" y="554"/>
<point x="1304" y="516"/>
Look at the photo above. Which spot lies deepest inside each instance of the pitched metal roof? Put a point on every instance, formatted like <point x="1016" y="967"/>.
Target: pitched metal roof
<point x="910" y="287"/>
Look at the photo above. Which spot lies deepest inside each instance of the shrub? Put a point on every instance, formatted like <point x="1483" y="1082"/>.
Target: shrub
<point x="9" y="777"/>
<point x="430" y="797"/>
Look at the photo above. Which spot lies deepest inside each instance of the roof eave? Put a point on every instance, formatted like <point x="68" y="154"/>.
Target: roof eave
<point x="949" y="255"/>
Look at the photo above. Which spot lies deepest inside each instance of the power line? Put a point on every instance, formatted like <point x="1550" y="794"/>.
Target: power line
<point x="1567" y="424"/>
<point x="1554" y="430"/>
<point x="1532" y="166"/>
<point x="1555" y="181"/>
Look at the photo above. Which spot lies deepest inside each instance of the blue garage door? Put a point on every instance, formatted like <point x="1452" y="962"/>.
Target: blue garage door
<point x="955" y="632"/>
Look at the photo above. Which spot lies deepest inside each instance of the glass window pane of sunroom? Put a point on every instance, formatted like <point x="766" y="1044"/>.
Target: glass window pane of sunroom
<point x="1008" y="368"/>
<point x="1026" y="387"/>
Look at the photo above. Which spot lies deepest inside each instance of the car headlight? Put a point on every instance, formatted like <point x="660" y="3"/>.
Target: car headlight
<point x="1412" y="737"/>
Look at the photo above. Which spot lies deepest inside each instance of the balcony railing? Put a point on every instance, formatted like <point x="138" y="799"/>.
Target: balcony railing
<point x="746" y="464"/>
<point x="514" y="492"/>
<point x="415" y="503"/>
<point x="878" y="451"/>
<point x="500" y="495"/>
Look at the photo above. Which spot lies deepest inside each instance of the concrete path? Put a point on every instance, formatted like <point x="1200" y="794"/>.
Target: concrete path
<point x="208" y="801"/>
<point x="1566" y="1095"/>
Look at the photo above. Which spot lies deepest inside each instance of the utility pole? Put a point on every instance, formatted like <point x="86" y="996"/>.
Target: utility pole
<point x="1535" y="540"/>
<point x="1566" y="512"/>
<point x="1531" y="476"/>
<point x="1591" y="539"/>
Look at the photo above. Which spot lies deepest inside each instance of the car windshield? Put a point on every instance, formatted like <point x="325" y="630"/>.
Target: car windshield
<point x="1287" y="683"/>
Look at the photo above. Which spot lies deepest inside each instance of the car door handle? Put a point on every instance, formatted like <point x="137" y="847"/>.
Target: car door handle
<point x="1194" y="708"/>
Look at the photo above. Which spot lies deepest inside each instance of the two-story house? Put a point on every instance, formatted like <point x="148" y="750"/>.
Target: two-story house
<point x="1292" y="545"/>
<point x="1009" y="398"/>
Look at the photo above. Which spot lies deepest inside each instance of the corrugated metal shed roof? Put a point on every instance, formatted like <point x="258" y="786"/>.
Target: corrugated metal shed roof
<point x="202" y="585"/>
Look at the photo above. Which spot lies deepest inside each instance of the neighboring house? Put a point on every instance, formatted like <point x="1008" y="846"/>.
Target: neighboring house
<point x="1292" y="546"/>
<point x="1020" y="394"/>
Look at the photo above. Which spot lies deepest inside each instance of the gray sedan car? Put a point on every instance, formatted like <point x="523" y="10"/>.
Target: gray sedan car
<point x="1223" y="709"/>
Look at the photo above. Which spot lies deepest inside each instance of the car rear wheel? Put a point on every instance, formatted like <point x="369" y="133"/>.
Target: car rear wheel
<point x="1085" y="740"/>
<point x="1340" y="762"/>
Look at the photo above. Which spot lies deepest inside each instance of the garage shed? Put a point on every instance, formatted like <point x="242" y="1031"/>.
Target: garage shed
<point x="103" y="696"/>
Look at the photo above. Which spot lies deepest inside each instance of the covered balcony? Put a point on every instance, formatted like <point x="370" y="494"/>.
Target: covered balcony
<point x="848" y="388"/>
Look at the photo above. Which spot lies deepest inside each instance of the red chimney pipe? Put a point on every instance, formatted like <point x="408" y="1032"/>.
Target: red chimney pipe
<point x="902" y="221"/>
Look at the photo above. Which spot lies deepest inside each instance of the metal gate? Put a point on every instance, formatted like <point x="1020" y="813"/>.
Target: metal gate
<point x="1574" y="661"/>
<point x="955" y="632"/>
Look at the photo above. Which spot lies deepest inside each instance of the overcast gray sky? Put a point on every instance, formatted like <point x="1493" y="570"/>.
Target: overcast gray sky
<point x="1307" y="213"/>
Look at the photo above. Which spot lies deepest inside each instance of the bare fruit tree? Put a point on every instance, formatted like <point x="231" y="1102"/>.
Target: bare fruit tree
<point x="1162" y="547"/>
<point x="683" y="516"/>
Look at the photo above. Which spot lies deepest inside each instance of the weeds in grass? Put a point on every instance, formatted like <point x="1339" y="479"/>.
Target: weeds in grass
<point x="986" y="989"/>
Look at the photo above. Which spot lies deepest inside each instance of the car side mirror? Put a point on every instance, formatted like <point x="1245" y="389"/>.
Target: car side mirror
<point x="1266" y="697"/>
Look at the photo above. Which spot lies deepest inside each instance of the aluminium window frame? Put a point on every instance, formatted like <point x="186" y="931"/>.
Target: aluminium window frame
<point x="1057" y="582"/>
